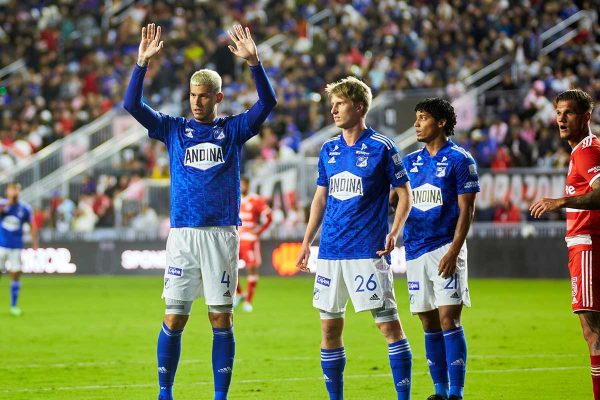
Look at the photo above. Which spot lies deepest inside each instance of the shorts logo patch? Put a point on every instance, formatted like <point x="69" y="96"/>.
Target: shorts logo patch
<point x="574" y="289"/>
<point x="455" y="295"/>
<point x="175" y="271"/>
<point x="166" y="283"/>
<point x="227" y="294"/>
<point x="413" y="285"/>
<point x="321" y="280"/>
<point x="374" y="297"/>
<point x="316" y="294"/>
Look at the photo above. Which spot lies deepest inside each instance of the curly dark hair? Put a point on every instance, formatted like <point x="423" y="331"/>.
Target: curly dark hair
<point x="439" y="109"/>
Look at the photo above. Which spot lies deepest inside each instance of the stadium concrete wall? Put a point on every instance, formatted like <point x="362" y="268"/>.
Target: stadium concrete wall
<point x="488" y="257"/>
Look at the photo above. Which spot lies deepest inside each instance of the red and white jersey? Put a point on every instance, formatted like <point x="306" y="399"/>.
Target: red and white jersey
<point x="584" y="170"/>
<point x="255" y="215"/>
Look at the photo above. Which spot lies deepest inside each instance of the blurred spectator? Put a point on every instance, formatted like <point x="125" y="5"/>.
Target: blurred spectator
<point x="507" y="212"/>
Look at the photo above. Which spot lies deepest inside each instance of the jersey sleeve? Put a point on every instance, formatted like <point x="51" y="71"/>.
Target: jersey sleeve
<point x="394" y="168"/>
<point x="162" y="130"/>
<point x="322" y="179"/>
<point x="240" y="127"/>
<point x="467" y="179"/>
<point x="587" y="163"/>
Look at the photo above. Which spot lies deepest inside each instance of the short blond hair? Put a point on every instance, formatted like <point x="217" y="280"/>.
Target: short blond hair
<point x="207" y="77"/>
<point x="353" y="89"/>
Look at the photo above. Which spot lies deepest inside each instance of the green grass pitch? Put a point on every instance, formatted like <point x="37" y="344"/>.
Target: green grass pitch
<point x="95" y="337"/>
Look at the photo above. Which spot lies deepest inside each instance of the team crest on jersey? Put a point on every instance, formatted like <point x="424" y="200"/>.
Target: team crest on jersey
<point x="189" y="132"/>
<point x="426" y="197"/>
<point x="218" y="133"/>
<point x="345" y="185"/>
<point x="440" y="172"/>
<point x="11" y="223"/>
<point x="361" y="161"/>
<point x="203" y="156"/>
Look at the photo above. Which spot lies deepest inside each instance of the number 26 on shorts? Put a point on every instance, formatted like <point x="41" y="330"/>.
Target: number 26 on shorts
<point x="370" y="284"/>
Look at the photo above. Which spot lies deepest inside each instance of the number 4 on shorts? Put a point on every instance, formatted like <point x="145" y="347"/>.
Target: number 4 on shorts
<point x="225" y="278"/>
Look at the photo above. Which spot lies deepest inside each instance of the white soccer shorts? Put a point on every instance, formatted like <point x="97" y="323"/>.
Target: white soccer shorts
<point x="369" y="283"/>
<point x="202" y="262"/>
<point x="10" y="259"/>
<point x="427" y="290"/>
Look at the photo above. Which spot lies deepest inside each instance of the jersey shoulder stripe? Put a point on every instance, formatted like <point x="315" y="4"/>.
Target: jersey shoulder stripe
<point x="387" y="146"/>
<point x="384" y="138"/>
<point x="337" y="137"/>
<point x="461" y="150"/>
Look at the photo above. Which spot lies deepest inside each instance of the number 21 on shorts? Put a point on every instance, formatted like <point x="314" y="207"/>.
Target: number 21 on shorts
<point x="370" y="284"/>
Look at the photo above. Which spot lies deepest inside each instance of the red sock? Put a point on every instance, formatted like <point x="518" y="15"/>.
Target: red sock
<point x="238" y="289"/>
<point x="252" y="279"/>
<point x="595" y="361"/>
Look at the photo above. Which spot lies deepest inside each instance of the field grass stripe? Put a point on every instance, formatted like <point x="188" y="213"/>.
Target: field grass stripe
<point x="295" y="379"/>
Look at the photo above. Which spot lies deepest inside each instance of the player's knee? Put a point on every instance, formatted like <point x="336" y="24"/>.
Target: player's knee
<point x="449" y="322"/>
<point x="220" y="316"/>
<point x="175" y="322"/>
<point x="331" y="326"/>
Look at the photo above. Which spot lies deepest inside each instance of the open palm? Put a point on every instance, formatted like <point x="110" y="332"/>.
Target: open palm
<point x="244" y="45"/>
<point x="150" y="44"/>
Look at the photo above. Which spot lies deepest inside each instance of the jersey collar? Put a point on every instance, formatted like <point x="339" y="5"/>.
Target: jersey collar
<point x="366" y="133"/>
<point x="447" y="145"/>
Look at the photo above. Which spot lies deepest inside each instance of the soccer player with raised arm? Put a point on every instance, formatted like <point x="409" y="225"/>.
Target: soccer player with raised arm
<point x="13" y="215"/>
<point x="356" y="170"/>
<point x="256" y="216"/>
<point x="444" y="181"/>
<point x="204" y="157"/>
<point x="573" y="114"/>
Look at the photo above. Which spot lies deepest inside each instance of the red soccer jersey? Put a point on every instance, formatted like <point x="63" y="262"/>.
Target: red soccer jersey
<point x="252" y="208"/>
<point x="584" y="170"/>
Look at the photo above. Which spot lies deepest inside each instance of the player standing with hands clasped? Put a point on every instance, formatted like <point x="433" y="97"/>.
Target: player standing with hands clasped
<point x="355" y="172"/>
<point x="573" y="114"/>
<point x="204" y="156"/>
<point x="445" y="182"/>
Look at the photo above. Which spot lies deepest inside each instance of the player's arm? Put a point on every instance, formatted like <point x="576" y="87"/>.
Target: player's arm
<point x="588" y="201"/>
<point x="246" y="48"/>
<point x="317" y="210"/>
<point x="150" y="45"/>
<point x="34" y="236"/>
<point x="402" y="198"/>
<point x="266" y="217"/>
<point x="466" y="204"/>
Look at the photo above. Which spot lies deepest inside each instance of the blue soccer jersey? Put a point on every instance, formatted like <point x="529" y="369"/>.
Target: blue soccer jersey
<point x="436" y="183"/>
<point x="204" y="158"/>
<point x="12" y="219"/>
<point x="358" y="179"/>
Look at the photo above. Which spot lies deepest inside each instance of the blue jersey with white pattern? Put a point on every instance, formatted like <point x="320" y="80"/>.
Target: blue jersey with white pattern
<point x="12" y="219"/>
<point x="436" y="184"/>
<point x="358" y="179"/>
<point x="204" y="164"/>
<point x="204" y="158"/>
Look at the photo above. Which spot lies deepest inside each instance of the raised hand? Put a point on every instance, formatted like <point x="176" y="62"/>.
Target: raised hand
<point x="150" y="44"/>
<point x="244" y="45"/>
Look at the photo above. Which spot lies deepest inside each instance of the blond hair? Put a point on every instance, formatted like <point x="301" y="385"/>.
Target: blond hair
<point x="207" y="77"/>
<point x="352" y="89"/>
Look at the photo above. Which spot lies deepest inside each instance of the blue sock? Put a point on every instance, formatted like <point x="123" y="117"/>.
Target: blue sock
<point x="435" y="351"/>
<point x="223" y="353"/>
<point x="15" y="287"/>
<point x="401" y="363"/>
<point x="456" y="359"/>
<point x="333" y="362"/>
<point x="167" y="353"/>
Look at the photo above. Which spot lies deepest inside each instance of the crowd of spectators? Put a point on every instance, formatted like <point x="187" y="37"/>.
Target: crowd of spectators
<point x="79" y="55"/>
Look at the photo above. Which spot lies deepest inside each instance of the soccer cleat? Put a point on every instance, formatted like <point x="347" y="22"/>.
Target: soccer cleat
<point x="16" y="311"/>
<point x="238" y="300"/>
<point x="436" y="397"/>
<point x="248" y="307"/>
<point x="454" y="397"/>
